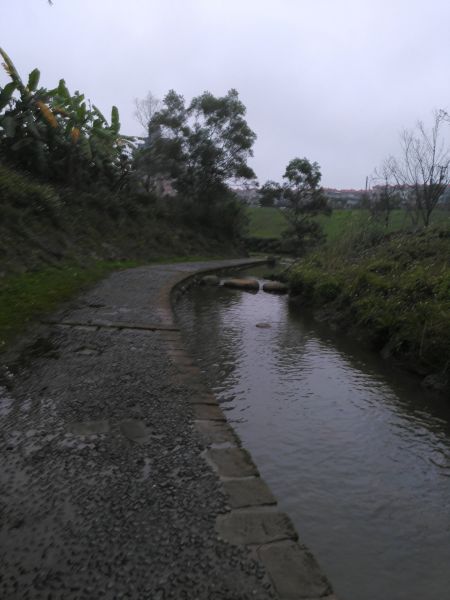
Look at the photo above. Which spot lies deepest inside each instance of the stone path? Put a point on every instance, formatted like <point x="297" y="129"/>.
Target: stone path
<point x="119" y="475"/>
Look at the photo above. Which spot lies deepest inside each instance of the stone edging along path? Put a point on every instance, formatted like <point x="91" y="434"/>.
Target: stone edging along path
<point x="120" y="476"/>
<point x="253" y="519"/>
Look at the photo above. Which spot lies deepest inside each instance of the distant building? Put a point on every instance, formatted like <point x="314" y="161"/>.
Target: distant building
<point x="344" y="198"/>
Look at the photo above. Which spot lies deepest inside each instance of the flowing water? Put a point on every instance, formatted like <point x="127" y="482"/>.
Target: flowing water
<point x="356" y="452"/>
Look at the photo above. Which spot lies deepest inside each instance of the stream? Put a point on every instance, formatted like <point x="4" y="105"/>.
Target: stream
<point x="355" y="451"/>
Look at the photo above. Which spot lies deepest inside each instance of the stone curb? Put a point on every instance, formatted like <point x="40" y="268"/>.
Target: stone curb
<point x="253" y="519"/>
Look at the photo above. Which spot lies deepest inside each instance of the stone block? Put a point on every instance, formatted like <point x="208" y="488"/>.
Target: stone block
<point x="248" y="492"/>
<point x="254" y="527"/>
<point x="208" y="412"/>
<point x="294" y="572"/>
<point x="232" y="462"/>
<point x="216" y="432"/>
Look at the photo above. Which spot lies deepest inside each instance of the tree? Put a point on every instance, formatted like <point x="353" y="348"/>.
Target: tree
<point x="145" y="108"/>
<point x="300" y="199"/>
<point x="421" y="171"/>
<point x="304" y="199"/>
<point x="269" y="193"/>
<point x="382" y="198"/>
<point x="200" y="148"/>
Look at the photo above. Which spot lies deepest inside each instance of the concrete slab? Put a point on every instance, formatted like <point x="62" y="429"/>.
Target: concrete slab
<point x="232" y="462"/>
<point x="208" y="412"/>
<point x="135" y="430"/>
<point x="89" y="427"/>
<point x="294" y="572"/>
<point x="215" y="432"/>
<point x="204" y="398"/>
<point x="248" y="492"/>
<point x="254" y="527"/>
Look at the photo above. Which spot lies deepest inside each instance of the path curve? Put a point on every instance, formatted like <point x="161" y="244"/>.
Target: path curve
<point x="120" y="477"/>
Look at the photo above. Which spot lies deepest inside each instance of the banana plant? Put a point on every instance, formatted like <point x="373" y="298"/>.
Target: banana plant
<point x="59" y="134"/>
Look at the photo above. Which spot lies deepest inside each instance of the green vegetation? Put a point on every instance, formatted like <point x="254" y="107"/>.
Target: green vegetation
<point x="28" y="296"/>
<point x="392" y="290"/>
<point x="78" y="198"/>
<point x="265" y="222"/>
<point x="302" y="199"/>
<point x="187" y="159"/>
<point x="269" y="222"/>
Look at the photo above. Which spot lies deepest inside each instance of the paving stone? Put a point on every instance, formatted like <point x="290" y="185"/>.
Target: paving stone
<point x="204" y="398"/>
<point x="208" y="412"/>
<point x="232" y="462"/>
<point x="216" y="432"/>
<point x="248" y="492"/>
<point x="254" y="527"/>
<point x="89" y="427"/>
<point x="294" y="572"/>
<point x="135" y="430"/>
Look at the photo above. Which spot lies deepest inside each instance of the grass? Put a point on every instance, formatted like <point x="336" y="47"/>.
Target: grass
<point x="265" y="222"/>
<point x="393" y="290"/>
<point x="26" y="297"/>
<point x="269" y="222"/>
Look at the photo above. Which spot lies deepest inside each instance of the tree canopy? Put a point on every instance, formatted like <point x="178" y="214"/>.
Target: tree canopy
<point x="300" y="198"/>
<point x="200" y="147"/>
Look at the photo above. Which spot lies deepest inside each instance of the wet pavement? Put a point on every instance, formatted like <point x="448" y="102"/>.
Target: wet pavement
<point x="107" y="488"/>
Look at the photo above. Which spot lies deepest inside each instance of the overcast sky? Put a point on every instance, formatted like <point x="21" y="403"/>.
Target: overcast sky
<point x="332" y="80"/>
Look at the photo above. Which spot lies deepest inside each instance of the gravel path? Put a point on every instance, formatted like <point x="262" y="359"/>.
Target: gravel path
<point x="105" y="492"/>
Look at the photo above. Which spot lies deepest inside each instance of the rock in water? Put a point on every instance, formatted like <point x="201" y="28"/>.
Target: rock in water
<point x="275" y="287"/>
<point x="243" y="284"/>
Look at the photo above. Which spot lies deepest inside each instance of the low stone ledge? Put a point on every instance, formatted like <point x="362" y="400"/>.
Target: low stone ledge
<point x="294" y="572"/>
<point x="232" y="462"/>
<point x="248" y="492"/>
<point x="216" y="432"/>
<point x="204" y="398"/>
<point x="254" y="527"/>
<point x="208" y="412"/>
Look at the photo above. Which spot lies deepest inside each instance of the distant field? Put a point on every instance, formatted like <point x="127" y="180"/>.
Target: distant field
<point x="269" y="222"/>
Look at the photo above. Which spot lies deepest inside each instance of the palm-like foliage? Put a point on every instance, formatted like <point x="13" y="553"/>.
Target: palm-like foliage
<point x="58" y="135"/>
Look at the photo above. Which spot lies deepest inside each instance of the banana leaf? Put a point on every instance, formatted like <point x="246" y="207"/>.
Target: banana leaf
<point x="115" y="123"/>
<point x="6" y="94"/>
<point x="9" y="124"/>
<point x="33" y="80"/>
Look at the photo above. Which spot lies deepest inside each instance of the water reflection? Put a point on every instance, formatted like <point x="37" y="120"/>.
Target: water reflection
<point x="355" y="451"/>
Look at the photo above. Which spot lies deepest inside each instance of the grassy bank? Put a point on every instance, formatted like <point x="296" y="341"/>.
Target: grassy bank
<point x="43" y="226"/>
<point x="28" y="296"/>
<point x="393" y="292"/>
<point x="55" y="241"/>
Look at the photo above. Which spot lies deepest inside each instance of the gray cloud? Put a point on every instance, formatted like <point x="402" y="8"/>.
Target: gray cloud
<point x="333" y="80"/>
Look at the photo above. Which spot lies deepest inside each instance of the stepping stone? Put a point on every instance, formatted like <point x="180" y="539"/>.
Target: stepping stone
<point x="246" y="528"/>
<point x="242" y="284"/>
<point x="275" y="287"/>
<point x="89" y="427"/>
